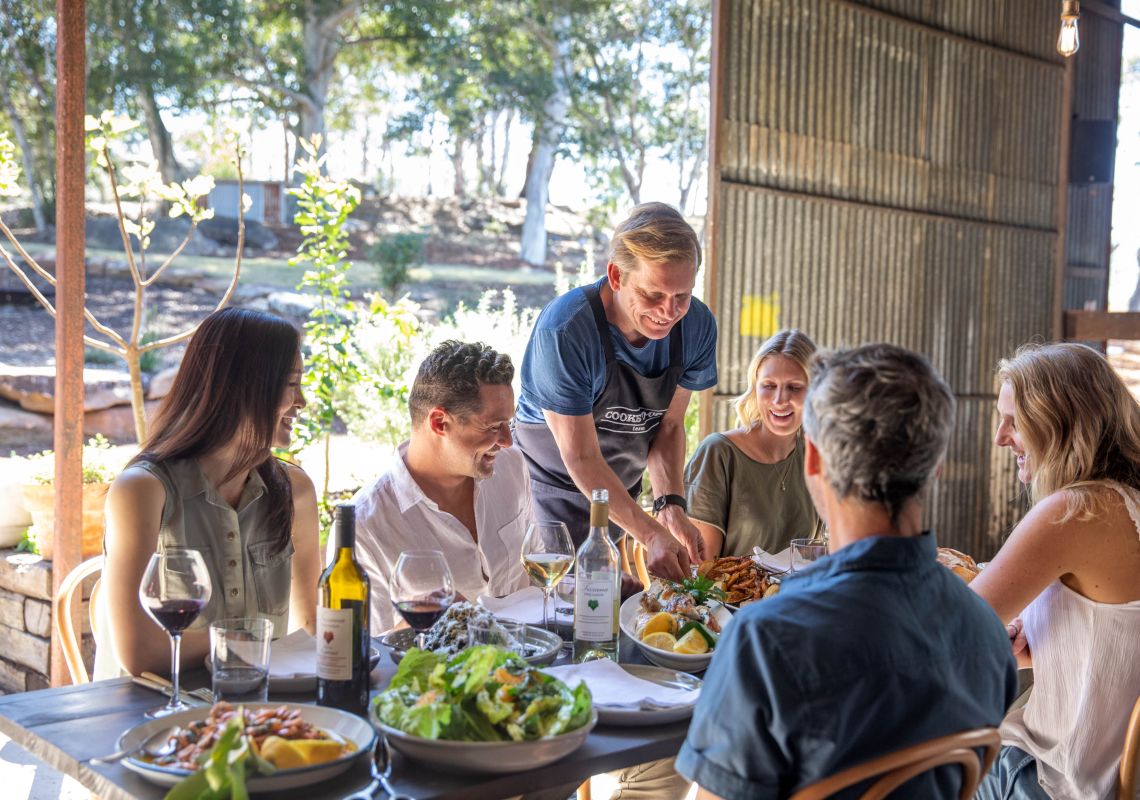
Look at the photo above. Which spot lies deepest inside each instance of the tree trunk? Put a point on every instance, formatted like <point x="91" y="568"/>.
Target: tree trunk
<point x="501" y="180"/>
<point x="320" y="43"/>
<point x="459" y="188"/>
<point x="548" y="136"/>
<point x="28" y="158"/>
<point x="160" y="141"/>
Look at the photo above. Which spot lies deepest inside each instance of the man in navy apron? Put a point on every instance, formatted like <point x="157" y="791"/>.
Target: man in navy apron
<point x="606" y="379"/>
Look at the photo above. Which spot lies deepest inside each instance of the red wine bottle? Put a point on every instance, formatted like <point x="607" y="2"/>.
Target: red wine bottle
<point x="342" y="623"/>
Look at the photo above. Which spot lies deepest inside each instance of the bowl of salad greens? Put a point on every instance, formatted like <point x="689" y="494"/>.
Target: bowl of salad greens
<point x="483" y="710"/>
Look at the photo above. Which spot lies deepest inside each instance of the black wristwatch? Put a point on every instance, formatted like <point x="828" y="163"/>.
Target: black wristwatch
<point x="670" y="500"/>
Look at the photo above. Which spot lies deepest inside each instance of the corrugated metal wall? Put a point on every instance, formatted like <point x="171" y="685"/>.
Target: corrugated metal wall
<point x="1096" y="92"/>
<point x="888" y="170"/>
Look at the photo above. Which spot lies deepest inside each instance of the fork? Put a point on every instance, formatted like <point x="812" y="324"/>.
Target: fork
<point x="203" y="694"/>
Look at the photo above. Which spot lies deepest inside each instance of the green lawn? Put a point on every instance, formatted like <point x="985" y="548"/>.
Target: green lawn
<point x="277" y="272"/>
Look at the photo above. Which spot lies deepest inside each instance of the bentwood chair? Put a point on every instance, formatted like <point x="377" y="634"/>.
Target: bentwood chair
<point x="895" y="769"/>
<point x="61" y="616"/>
<point x="1129" y="780"/>
<point x="632" y="554"/>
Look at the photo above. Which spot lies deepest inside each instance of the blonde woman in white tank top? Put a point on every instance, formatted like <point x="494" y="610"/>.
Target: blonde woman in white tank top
<point x="1067" y="581"/>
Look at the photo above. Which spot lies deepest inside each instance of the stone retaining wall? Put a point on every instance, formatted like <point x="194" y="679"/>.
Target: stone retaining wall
<point x="25" y="622"/>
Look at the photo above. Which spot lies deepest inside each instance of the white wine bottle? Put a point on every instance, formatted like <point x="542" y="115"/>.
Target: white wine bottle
<point x="597" y="587"/>
<point x="342" y="623"/>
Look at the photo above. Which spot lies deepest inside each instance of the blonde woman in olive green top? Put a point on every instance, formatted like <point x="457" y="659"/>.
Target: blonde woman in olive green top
<point x="745" y="487"/>
<point x="206" y="479"/>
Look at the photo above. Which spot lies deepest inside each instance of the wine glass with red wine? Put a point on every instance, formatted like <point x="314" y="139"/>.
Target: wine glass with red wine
<point x="422" y="589"/>
<point x="174" y="590"/>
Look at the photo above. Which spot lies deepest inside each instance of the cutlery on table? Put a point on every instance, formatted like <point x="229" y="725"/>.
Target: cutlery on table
<point x="159" y="743"/>
<point x="203" y="694"/>
<point x="381" y="769"/>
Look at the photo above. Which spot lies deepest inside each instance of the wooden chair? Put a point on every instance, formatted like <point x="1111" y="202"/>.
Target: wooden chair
<point x="1130" y="758"/>
<point x="895" y="769"/>
<point x="632" y="554"/>
<point x="61" y="616"/>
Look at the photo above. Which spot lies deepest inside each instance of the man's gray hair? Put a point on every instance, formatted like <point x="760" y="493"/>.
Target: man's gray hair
<point x="881" y="417"/>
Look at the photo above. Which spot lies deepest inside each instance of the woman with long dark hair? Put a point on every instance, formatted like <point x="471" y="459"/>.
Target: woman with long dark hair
<point x="206" y="479"/>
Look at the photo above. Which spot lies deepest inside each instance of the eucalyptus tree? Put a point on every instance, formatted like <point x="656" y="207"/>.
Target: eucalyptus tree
<point x="637" y="90"/>
<point x="292" y="48"/>
<point x="146" y="57"/>
<point x="27" y="95"/>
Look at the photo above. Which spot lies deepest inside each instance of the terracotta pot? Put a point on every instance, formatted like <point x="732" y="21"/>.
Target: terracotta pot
<point x="39" y="499"/>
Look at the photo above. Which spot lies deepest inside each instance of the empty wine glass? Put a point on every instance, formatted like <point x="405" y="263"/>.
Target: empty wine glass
<point x="175" y="588"/>
<point x="422" y="589"/>
<point x="547" y="555"/>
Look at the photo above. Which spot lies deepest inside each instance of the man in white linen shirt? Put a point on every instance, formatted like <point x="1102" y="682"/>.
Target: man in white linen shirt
<point x="456" y="485"/>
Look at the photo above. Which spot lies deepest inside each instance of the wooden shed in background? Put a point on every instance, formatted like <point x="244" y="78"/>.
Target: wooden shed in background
<point x="899" y="171"/>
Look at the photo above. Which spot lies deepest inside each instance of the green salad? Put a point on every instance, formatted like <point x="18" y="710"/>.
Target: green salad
<point x="484" y="694"/>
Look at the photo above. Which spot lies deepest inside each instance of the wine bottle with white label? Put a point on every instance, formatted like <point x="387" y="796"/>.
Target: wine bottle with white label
<point x="342" y="623"/>
<point x="597" y="587"/>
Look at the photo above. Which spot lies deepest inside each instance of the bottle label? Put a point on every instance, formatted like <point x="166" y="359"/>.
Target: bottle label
<point x="594" y="607"/>
<point x="334" y="643"/>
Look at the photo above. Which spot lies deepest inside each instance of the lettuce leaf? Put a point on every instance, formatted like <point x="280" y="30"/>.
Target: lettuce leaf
<point x="420" y="669"/>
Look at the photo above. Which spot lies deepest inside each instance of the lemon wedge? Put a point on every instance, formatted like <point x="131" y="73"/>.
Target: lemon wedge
<point x="281" y="753"/>
<point x="771" y="590"/>
<point x="661" y="622"/>
<point x="692" y="643"/>
<point x="293" y="753"/>
<point x="662" y="640"/>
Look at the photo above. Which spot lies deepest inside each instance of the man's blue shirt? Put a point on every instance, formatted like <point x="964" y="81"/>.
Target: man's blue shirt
<point x="564" y="368"/>
<point x="873" y="649"/>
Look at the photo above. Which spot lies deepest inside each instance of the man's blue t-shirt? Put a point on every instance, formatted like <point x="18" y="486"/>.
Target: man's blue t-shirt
<point x="873" y="649"/>
<point x="564" y="369"/>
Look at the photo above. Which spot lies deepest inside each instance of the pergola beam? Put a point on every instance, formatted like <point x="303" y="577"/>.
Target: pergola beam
<point x="1099" y="326"/>
<point x="70" y="171"/>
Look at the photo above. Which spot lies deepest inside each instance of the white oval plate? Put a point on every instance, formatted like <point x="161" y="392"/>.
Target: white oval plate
<point x="348" y="726"/>
<point x="670" y="678"/>
<point x="684" y="662"/>
<point x="488" y="757"/>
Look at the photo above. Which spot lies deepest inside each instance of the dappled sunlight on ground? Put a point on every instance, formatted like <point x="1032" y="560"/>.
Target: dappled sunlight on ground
<point x="1125" y="359"/>
<point x="25" y="777"/>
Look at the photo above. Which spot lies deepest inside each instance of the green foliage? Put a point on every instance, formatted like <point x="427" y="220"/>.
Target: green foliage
<point x="97" y="357"/>
<point x="394" y="256"/>
<point x="99" y="464"/>
<point x="27" y="543"/>
<point x="323" y="206"/>
<point x="388" y="344"/>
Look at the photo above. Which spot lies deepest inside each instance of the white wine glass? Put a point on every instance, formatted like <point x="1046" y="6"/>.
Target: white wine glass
<point x="422" y="589"/>
<point x="547" y="555"/>
<point x="175" y="588"/>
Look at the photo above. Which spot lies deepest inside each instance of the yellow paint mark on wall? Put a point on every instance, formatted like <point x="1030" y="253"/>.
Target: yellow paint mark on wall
<point x="759" y="315"/>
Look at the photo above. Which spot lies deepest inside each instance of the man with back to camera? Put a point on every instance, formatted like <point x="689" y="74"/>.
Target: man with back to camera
<point x="456" y="485"/>
<point x="875" y="647"/>
<point x="606" y="379"/>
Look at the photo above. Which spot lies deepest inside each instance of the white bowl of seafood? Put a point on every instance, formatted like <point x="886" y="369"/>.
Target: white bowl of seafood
<point x="676" y="626"/>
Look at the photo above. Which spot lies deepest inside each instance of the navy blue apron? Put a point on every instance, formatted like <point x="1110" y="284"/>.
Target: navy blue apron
<point x="627" y="416"/>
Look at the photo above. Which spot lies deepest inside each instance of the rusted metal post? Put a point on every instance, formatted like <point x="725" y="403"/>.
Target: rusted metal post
<point x="71" y="89"/>
<point x="717" y="81"/>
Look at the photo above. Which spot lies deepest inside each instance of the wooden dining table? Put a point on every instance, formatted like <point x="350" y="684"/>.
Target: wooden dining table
<point x="66" y="727"/>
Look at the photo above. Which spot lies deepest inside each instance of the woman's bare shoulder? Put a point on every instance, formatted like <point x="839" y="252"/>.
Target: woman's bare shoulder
<point x="136" y="483"/>
<point x="303" y="488"/>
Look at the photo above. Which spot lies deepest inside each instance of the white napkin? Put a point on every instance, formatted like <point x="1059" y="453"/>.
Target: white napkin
<point x="525" y="605"/>
<point x="293" y="656"/>
<point x="613" y="687"/>
<point x="777" y="562"/>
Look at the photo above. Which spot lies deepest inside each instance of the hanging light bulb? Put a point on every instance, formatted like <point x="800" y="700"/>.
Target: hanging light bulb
<point x="1068" y="41"/>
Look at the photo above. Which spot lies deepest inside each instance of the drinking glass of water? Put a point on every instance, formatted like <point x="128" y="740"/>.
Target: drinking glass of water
<point x="239" y="659"/>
